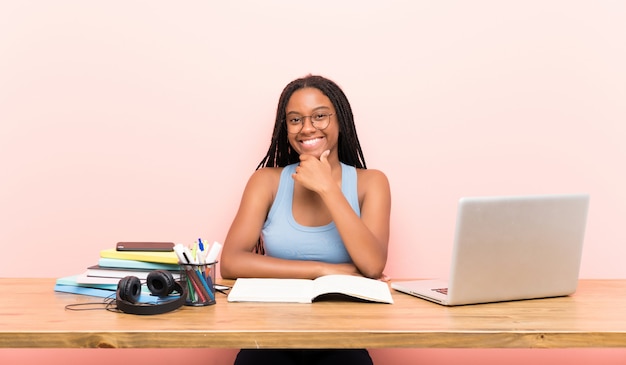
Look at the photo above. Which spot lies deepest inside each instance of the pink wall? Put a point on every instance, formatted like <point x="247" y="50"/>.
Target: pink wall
<point x="123" y="120"/>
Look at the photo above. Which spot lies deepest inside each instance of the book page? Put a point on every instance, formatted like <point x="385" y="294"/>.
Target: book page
<point x="356" y="286"/>
<point x="271" y="290"/>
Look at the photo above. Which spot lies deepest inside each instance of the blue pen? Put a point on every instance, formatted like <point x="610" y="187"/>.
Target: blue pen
<point x="200" y="244"/>
<point x="201" y="252"/>
<point x="210" y="284"/>
<point x="206" y="285"/>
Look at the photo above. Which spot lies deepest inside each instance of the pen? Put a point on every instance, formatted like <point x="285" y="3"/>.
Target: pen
<point x="191" y="274"/>
<point x="206" y="285"/>
<point x="200" y="244"/>
<point x="210" y="284"/>
<point x="202" y="252"/>
<point x="192" y="293"/>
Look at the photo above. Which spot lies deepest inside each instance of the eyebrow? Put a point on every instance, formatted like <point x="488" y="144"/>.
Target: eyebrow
<point x="314" y="110"/>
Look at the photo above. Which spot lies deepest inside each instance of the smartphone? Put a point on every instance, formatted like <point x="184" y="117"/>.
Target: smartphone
<point x="145" y="246"/>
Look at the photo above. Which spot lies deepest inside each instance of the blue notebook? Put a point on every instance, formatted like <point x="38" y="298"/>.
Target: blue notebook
<point x="104" y="293"/>
<point x="68" y="284"/>
<point x="72" y="281"/>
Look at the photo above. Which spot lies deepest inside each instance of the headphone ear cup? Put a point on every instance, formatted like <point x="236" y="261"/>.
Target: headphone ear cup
<point x="129" y="289"/>
<point x="161" y="283"/>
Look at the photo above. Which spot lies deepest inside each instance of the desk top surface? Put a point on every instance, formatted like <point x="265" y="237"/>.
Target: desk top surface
<point x="32" y="315"/>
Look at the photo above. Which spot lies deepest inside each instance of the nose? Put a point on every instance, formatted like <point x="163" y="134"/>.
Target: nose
<point x="309" y="125"/>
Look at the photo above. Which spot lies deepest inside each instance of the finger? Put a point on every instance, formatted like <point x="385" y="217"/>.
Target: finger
<point x="304" y="157"/>
<point x="324" y="156"/>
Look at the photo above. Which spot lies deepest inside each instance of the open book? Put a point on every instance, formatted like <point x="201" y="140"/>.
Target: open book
<point x="308" y="291"/>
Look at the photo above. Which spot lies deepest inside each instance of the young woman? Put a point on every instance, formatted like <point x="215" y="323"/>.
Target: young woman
<point x="311" y="208"/>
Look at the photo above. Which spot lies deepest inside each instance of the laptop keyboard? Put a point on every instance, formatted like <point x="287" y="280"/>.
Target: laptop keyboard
<point x="443" y="291"/>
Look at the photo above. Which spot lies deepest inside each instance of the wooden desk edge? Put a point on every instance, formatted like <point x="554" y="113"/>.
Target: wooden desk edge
<point x="215" y="338"/>
<point x="198" y="339"/>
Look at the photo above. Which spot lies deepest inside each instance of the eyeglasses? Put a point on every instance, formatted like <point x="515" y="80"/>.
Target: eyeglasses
<point x="319" y="121"/>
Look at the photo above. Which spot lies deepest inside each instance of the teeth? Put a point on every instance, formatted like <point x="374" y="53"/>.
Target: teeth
<point x="310" y="141"/>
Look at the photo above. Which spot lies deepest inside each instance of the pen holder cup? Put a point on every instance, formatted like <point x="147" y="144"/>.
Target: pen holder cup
<point x="199" y="280"/>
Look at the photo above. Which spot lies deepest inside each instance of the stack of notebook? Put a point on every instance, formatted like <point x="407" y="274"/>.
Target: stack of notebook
<point x="101" y="280"/>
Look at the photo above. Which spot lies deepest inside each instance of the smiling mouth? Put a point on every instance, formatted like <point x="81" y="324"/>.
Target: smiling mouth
<point x="311" y="142"/>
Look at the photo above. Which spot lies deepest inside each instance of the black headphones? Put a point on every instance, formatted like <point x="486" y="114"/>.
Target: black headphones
<point x="161" y="283"/>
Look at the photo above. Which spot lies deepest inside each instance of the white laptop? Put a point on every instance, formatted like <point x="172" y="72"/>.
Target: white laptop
<point x="510" y="248"/>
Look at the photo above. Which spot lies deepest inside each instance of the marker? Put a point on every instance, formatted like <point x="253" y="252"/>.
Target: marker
<point x="188" y="255"/>
<point x="213" y="252"/>
<point x="180" y="252"/>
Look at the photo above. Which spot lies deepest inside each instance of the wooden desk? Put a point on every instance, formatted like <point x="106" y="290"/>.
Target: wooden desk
<point x="32" y="315"/>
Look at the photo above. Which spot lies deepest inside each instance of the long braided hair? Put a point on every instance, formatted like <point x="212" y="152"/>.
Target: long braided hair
<point x="280" y="153"/>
